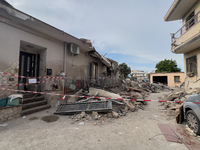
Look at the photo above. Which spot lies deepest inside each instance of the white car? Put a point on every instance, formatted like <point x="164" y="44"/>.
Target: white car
<point x="191" y="109"/>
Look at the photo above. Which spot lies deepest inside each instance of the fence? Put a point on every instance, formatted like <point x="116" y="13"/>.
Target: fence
<point x="65" y="84"/>
<point x="76" y="84"/>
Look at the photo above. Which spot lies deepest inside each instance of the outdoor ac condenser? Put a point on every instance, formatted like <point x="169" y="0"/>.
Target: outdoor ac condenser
<point x="73" y="49"/>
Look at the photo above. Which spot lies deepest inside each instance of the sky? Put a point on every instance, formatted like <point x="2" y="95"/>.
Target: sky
<point x="128" y="31"/>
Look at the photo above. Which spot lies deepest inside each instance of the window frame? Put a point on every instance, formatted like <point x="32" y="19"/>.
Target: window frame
<point x="190" y="20"/>
<point x="175" y="77"/>
<point x="187" y="69"/>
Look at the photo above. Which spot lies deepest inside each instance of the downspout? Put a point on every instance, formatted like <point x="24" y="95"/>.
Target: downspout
<point x="64" y="58"/>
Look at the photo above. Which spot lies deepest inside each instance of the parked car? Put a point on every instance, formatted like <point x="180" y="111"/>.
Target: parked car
<point x="192" y="112"/>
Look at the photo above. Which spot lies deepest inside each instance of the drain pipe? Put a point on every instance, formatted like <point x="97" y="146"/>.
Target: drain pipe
<point x="64" y="57"/>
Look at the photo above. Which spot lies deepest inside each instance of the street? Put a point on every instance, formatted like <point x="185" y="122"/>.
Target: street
<point x="128" y="132"/>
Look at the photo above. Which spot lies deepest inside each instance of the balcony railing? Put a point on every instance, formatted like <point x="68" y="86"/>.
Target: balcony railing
<point x="189" y="24"/>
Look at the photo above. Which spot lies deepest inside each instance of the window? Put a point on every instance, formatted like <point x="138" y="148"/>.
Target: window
<point x="190" y="20"/>
<point x="108" y="72"/>
<point x="93" y="70"/>
<point x="176" y="79"/>
<point x="191" y="66"/>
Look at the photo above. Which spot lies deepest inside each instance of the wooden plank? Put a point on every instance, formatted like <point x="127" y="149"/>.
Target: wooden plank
<point x="136" y="90"/>
<point x="130" y="105"/>
<point x="179" y="114"/>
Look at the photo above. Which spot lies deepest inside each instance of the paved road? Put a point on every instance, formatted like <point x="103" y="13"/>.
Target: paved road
<point x="127" y="133"/>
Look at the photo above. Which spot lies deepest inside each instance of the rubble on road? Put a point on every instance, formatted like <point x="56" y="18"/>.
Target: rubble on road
<point x="176" y="109"/>
<point x="93" y="106"/>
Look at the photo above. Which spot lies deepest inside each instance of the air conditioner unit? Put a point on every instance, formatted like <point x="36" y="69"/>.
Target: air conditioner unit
<point x="73" y="49"/>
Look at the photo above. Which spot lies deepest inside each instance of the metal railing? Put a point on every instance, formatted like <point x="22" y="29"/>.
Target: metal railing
<point x="76" y="84"/>
<point x="189" y="24"/>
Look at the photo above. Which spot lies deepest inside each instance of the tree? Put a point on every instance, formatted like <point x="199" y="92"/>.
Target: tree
<point x="167" y="66"/>
<point x="124" y="70"/>
<point x="131" y="78"/>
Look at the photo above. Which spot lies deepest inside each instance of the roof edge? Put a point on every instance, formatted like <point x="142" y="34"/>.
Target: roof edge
<point x="172" y="9"/>
<point x="25" y="16"/>
<point x="166" y="72"/>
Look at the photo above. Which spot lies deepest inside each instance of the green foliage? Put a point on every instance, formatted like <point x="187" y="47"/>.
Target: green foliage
<point x="131" y="78"/>
<point x="149" y="76"/>
<point x="124" y="70"/>
<point x="167" y="66"/>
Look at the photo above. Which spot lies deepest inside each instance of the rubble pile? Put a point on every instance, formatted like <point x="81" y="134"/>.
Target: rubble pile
<point x="175" y="109"/>
<point x="92" y="106"/>
<point x="119" y="107"/>
<point x="141" y="90"/>
<point x="179" y="95"/>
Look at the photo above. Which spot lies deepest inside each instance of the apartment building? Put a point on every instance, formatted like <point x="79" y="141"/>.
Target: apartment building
<point x="186" y="40"/>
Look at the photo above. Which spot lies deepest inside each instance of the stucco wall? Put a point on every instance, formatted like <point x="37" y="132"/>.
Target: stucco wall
<point x="170" y="77"/>
<point x="195" y="8"/>
<point x="54" y="52"/>
<point x="51" y="56"/>
<point x="10" y="46"/>
<point x="78" y="66"/>
<point x="194" y="29"/>
<point x="191" y="81"/>
<point x="10" y="49"/>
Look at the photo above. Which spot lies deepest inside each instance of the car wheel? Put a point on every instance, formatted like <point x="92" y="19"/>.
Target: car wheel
<point x="193" y="121"/>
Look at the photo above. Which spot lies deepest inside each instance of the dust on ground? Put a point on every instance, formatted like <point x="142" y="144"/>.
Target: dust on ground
<point x="33" y="118"/>
<point x="128" y="132"/>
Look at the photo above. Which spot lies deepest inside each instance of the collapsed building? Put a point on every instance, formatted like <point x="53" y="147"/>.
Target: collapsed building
<point x="33" y="51"/>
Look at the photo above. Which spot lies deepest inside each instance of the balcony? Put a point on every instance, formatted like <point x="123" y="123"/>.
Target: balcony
<point x="187" y="37"/>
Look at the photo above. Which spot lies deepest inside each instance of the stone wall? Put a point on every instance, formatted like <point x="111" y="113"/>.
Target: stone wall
<point x="8" y="79"/>
<point x="8" y="113"/>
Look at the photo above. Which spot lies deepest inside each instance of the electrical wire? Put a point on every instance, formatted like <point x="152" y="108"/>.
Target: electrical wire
<point x="168" y="134"/>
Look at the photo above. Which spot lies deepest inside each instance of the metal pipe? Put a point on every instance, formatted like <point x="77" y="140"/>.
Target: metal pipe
<point x="64" y="57"/>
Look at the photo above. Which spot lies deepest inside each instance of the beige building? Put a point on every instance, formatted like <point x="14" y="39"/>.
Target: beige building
<point x="170" y="79"/>
<point x="187" y="39"/>
<point x="32" y="48"/>
<point x="139" y="75"/>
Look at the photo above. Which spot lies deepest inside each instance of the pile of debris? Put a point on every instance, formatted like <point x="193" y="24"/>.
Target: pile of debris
<point x="96" y="104"/>
<point x="146" y="86"/>
<point x="140" y="90"/>
<point x="175" y="109"/>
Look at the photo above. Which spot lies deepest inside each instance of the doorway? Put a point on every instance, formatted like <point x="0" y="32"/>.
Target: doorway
<point x="28" y="66"/>
<point x="161" y="79"/>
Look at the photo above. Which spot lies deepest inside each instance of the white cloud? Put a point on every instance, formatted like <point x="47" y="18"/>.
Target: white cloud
<point x="131" y="27"/>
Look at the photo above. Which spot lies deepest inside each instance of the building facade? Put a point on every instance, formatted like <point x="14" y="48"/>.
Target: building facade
<point x="139" y="75"/>
<point x="170" y="79"/>
<point x="31" y="48"/>
<point x="186" y="40"/>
